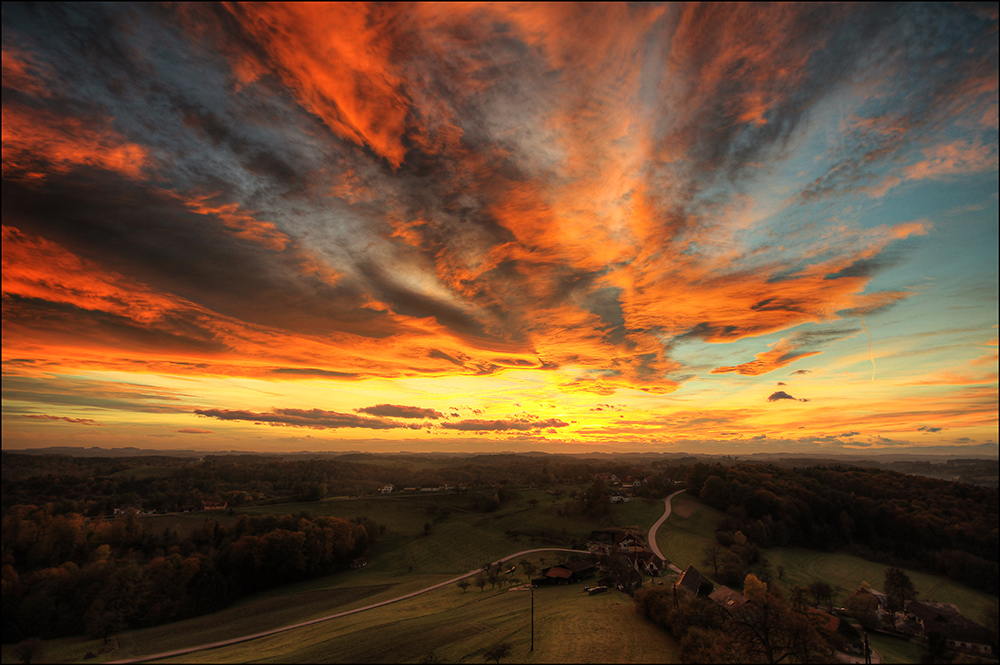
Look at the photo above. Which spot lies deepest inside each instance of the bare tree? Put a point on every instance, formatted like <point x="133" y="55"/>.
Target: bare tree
<point x="713" y="556"/>
<point x="464" y="584"/>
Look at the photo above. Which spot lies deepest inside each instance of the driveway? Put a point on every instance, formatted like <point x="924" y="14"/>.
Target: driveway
<point x="652" y="531"/>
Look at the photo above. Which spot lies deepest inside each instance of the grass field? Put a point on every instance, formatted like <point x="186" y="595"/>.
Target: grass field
<point x="894" y="649"/>
<point x="403" y="560"/>
<point x="457" y="626"/>
<point x="683" y="539"/>
<point x="464" y="540"/>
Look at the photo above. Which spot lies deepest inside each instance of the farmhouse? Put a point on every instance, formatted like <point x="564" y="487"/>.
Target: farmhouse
<point x="214" y="505"/>
<point x="945" y="619"/>
<point x="566" y="573"/>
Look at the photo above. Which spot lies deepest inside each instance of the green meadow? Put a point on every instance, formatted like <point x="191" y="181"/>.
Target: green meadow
<point x="691" y="527"/>
<point x="455" y="626"/>
<point x="406" y="559"/>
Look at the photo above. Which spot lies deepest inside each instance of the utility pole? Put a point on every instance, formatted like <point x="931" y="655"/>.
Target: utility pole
<point x="532" y="618"/>
<point x="868" y="651"/>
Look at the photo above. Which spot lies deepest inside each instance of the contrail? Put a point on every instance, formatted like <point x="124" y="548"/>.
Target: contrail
<point x="870" y="353"/>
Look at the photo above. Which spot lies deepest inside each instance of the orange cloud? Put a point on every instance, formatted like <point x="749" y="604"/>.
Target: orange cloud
<point x="37" y="142"/>
<point x="337" y="59"/>
<point x="242" y="224"/>
<point x="782" y="354"/>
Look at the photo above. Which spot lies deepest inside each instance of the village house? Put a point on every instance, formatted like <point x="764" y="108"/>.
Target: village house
<point x="883" y="611"/>
<point x="126" y="507"/>
<point x="386" y="489"/>
<point x="214" y="505"/>
<point x="609" y="541"/>
<point x="959" y="632"/>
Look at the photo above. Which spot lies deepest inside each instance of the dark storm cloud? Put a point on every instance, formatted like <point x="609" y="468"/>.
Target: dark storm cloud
<point x="400" y="411"/>
<point x="801" y="371"/>
<point x="310" y="418"/>
<point x="926" y="428"/>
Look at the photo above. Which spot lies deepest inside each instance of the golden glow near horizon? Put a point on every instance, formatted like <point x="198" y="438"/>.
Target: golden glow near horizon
<point x="500" y="227"/>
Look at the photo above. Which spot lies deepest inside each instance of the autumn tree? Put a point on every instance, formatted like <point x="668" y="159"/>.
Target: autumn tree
<point x="767" y="630"/>
<point x="464" y="584"/>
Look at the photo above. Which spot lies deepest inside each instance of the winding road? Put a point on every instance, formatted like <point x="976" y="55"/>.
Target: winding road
<point x="246" y="638"/>
<point x="652" y="531"/>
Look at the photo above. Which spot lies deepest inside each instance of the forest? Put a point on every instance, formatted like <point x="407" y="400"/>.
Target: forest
<point x="66" y="574"/>
<point x="948" y="528"/>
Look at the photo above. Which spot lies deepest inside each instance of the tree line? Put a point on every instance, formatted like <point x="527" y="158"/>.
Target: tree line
<point x="63" y="574"/>
<point x="95" y="486"/>
<point x="948" y="528"/>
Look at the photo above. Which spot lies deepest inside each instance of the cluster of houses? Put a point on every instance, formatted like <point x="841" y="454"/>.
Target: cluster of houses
<point x="620" y="488"/>
<point x="922" y="618"/>
<point x="389" y="488"/>
<point x="620" y="555"/>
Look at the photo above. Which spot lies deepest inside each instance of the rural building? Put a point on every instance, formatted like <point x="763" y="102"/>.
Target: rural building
<point x="959" y="632"/>
<point x="644" y="563"/>
<point x="125" y="507"/>
<point x="214" y="505"/>
<point x="566" y="573"/>
<point x="880" y="598"/>
<point x="692" y="580"/>
<point x="386" y="489"/>
<point x="728" y="599"/>
<point x="609" y="541"/>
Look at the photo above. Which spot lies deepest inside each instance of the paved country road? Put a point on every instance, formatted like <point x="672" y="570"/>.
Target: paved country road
<point x="652" y="531"/>
<point x="274" y="631"/>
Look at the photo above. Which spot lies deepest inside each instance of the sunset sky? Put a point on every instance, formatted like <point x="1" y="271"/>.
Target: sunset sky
<point x="463" y="227"/>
